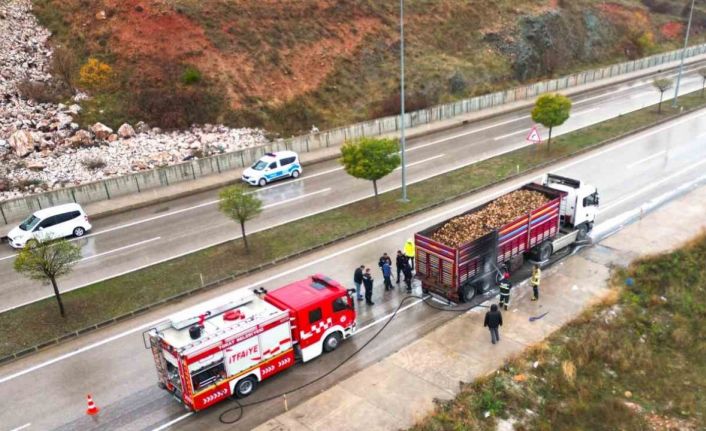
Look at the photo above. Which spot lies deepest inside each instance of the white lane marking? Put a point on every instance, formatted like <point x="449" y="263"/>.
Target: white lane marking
<point x="8" y="257"/>
<point x="653" y="185"/>
<point x="104" y="253"/>
<point x="632" y="165"/>
<point x="25" y="426"/>
<point x="632" y="87"/>
<point x="469" y="132"/>
<point x="643" y="94"/>
<point x="387" y="316"/>
<point x="419" y="162"/>
<point x="304" y="196"/>
<point x="511" y="134"/>
<point x="424" y="221"/>
<point x="137" y="244"/>
<point x="585" y="111"/>
<point x="638" y="137"/>
<point x="173" y="421"/>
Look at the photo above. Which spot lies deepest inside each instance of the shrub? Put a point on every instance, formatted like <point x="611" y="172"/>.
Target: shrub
<point x="191" y="75"/>
<point x="93" y="163"/>
<point x="41" y="92"/>
<point x="171" y="108"/>
<point x="457" y="83"/>
<point x="63" y="66"/>
<point x="95" y="74"/>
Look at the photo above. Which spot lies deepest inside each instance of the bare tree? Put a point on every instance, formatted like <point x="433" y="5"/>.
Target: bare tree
<point x="64" y="65"/>
<point x="662" y="85"/>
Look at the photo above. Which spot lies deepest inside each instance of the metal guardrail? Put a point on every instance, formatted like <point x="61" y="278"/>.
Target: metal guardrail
<point x="15" y="209"/>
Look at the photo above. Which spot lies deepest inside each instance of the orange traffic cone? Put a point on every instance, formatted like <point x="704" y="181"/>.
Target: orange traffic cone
<point x="92" y="408"/>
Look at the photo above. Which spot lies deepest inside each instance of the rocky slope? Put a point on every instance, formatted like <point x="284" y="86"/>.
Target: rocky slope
<point x="42" y="147"/>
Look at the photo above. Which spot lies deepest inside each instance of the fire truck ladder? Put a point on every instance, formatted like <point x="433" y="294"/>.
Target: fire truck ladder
<point x="158" y="360"/>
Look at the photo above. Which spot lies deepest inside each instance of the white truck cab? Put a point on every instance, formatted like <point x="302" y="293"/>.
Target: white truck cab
<point x="579" y="207"/>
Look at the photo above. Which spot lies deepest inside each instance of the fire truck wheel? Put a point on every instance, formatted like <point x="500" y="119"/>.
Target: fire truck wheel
<point x="332" y="341"/>
<point x="583" y="231"/>
<point x="245" y="387"/>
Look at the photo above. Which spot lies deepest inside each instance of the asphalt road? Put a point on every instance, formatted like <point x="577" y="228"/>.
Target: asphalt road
<point x="139" y="238"/>
<point x="47" y="390"/>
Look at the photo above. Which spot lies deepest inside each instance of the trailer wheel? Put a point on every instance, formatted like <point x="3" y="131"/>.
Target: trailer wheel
<point x="245" y="387"/>
<point x="466" y="293"/>
<point x="332" y="341"/>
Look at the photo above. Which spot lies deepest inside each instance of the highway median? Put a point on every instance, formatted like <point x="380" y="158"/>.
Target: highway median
<point x="31" y="327"/>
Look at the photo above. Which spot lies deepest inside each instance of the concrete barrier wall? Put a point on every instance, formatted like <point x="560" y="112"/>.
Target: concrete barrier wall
<point x="19" y="208"/>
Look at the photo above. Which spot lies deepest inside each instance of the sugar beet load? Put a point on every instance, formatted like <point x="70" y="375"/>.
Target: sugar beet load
<point x="458" y="258"/>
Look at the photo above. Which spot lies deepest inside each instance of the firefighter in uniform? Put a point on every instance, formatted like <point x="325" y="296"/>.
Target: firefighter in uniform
<point x="534" y="281"/>
<point x="505" y="287"/>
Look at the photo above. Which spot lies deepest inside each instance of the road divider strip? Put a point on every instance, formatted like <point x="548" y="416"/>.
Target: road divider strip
<point x="562" y="151"/>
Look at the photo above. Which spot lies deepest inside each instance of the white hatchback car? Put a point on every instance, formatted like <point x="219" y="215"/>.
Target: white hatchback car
<point x="55" y="222"/>
<point x="272" y="167"/>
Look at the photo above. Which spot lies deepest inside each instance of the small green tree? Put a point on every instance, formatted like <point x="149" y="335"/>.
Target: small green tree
<point x="662" y="85"/>
<point x="551" y="110"/>
<point x="241" y="206"/>
<point x="702" y="72"/>
<point x="48" y="260"/>
<point x="370" y="159"/>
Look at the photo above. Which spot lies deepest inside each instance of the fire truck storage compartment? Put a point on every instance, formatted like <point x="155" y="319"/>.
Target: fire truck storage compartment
<point x="443" y="268"/>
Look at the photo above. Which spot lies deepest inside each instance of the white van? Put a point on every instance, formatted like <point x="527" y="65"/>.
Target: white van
<point x="55" y="222"/>
<point x="272" y="167"/>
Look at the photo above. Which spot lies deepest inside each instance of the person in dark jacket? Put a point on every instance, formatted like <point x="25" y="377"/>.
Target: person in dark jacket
<point x="368" y="284"/>
<point x="387" y="275"/>
<point x="407" y="271"/>
<point x="493" y="320"/>
<point x="400" y="262"/>
<point x="358" y="280"/>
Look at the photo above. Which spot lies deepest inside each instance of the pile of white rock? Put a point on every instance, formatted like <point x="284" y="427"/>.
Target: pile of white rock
<point x="42" y="146"/>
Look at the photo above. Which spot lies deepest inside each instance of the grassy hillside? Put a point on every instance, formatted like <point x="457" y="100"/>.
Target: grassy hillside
<point x="287" y="64"/>
<point x="633" y="363"/>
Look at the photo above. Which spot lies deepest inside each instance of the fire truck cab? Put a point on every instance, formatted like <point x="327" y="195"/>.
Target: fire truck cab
<point x="229" y="344"/>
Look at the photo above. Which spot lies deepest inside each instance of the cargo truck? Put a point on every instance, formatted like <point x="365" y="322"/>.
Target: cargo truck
<point x="458" y="273"/>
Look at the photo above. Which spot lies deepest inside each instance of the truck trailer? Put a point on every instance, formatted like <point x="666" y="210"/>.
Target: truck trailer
<point x="226" y="346"/>
<point x="458" y="272"/>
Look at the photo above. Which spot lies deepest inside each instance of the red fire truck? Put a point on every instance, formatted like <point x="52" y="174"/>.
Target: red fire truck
<point x="229" y="344"/>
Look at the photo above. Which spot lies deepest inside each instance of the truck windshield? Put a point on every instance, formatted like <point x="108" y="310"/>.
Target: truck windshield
<point x="260" y="165"/>
<point x="29" y="223"/>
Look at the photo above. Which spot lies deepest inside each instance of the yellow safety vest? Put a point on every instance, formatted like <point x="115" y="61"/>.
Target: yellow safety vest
<point x="409" y="249"/>
<point x="536" y="275"/>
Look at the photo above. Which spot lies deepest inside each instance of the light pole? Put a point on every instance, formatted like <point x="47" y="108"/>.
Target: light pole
<point x="402" y="140"/>
<point x="683" y="53"/>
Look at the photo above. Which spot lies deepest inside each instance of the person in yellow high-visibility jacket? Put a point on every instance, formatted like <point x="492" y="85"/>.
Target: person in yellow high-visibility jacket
<point x="409" y="252"/>
<point x="534" y="281"/>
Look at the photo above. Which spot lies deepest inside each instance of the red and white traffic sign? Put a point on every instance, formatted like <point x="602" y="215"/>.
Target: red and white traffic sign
<point x="534" y="135"/>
